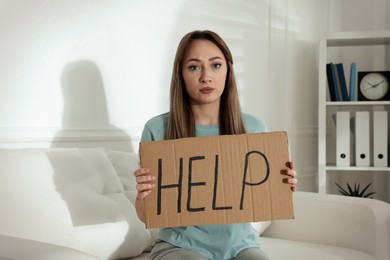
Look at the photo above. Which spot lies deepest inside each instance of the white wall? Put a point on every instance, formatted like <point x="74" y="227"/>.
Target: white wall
<point x="95" y="71"/>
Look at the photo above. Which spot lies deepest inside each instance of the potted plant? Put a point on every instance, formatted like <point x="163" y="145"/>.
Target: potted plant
<point x="355" y="192"/>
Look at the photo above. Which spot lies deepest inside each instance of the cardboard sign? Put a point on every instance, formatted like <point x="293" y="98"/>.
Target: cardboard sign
<point x="217" y="180"/>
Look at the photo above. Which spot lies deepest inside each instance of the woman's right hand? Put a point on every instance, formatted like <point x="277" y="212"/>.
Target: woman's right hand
<point x="145" y="183"/>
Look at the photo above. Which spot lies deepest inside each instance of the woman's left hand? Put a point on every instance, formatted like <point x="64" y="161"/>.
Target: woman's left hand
<point x="291" y="176"/>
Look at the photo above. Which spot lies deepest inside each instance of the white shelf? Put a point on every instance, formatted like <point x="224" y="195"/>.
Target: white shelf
<point x="355" y="168"/>
<point x="357" y="38"/>
<point x="334" y="42"/>
<point x="357" y="103"/>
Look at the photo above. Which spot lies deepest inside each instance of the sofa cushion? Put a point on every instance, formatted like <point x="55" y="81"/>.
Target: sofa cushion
<point x="70" y="197"/>
<point x="279" y="249"/>
<point x="125" y="164"/>
<point x="116" y="238"/>
<point x="84" y="177"/>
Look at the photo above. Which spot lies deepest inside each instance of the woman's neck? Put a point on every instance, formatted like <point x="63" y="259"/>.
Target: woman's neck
<point x="206" y="114"/>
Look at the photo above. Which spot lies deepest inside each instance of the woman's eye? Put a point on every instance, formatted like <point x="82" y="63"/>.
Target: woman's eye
<point x="193" y="67"/>
<point x="217" y="65"/>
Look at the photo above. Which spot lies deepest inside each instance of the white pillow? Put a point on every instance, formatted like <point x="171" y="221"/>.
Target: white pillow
<point x="105" y="221"/>
<point x="70" y="197"/>
<point x="125" y="164"/>
<point x="83" y="177"/>
<point x="261" y="226"/>
<point x="122" y="237"/>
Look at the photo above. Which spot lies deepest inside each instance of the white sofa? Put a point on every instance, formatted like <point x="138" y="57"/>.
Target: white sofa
<point x="78" y="204"/>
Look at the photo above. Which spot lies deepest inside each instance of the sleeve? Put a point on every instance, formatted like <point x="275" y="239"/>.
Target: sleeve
<point x="154" y="129"/>
<point x="254" y="125"/>
<point x="146" y="134"/>
<point x="259" y="127"/>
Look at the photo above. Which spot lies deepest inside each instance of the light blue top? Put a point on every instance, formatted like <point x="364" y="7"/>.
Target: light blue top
<point x="213" y="241"/>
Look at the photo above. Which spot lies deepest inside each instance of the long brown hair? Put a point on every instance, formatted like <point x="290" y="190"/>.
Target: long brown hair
<point x="181" y="121"/>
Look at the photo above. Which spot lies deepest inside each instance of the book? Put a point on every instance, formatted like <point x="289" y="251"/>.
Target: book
<point x="336" y="76"/>
<point x="335" y="81"/>
<point x="331" y="82"/>
<point x="352" y="77"/>
<point x="343" y="83"/>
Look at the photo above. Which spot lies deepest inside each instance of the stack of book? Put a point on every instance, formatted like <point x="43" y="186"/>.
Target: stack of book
<point x="338" y="89"/>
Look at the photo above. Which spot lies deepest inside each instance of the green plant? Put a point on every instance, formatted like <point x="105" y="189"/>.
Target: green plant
<point x="355" y="192"/>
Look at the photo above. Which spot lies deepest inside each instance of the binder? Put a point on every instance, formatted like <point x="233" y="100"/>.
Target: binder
<point x="343" y="83"/>
<point x="331" y="82"/>
<point x="380" y="139"/>
<point x="335" y="82"/>
<point x="362" y="138"/>
<point x="352" y="77"/>
<point x="338" y="84"/>
<point x="343" y="138"/>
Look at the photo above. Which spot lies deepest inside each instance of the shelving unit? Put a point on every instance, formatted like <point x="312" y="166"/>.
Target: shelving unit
<point x="376" y="42"/>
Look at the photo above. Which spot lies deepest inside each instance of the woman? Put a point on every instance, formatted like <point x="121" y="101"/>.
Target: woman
<point x="203" y="101"/>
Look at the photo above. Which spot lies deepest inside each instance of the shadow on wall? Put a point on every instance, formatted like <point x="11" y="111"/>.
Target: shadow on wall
<point x="85" y="179"/>
<point x="85" y="120"/>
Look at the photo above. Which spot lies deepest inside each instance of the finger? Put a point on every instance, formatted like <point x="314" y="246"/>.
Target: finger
<point x="291" y="165"/>
<point x="291" y="173"/>
<point x="292" y="181"/>
<point x="145" y="187"/>
<point x="145" y="178"/>
<point x="293" y="188"/>
<point x="141" y="171"/>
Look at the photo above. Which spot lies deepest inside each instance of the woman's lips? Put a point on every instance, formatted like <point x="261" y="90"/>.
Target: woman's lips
<point x="206" y="90"/>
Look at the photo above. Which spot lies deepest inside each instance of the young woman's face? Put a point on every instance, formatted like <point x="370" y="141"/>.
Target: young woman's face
<point x="204" y="71"/>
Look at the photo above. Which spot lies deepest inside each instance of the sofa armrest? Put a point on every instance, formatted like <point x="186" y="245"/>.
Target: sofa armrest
<point x="355" y="223"/>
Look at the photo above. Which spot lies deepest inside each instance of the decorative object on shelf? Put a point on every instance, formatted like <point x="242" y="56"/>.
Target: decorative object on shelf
<point x="355" y="192"/>
<point x="373" y="85"/>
